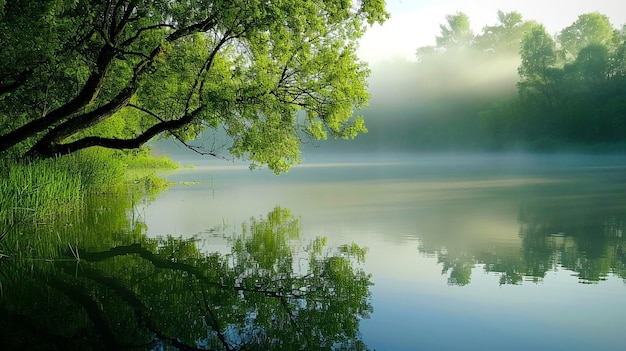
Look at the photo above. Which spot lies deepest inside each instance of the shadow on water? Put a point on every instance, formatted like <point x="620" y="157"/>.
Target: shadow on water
<point x="95" y="281"/>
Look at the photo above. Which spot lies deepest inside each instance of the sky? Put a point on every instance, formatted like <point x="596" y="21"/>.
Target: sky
<point x="415" y="23"/>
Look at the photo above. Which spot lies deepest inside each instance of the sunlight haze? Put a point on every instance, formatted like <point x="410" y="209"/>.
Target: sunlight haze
<point x="414" y="24"/>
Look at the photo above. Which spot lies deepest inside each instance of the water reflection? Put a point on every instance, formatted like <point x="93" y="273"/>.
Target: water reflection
<point x="114" y="288"/>
<point x="474" y="216"/>
<point x="98" y="277"/>
<point x="581" y="232"/>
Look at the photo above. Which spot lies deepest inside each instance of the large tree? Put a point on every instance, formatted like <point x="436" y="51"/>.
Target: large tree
<point x="538" y="74"/>
<point x="116" y="73"/>
<point x="456" y="34"/>
<point x="588" y="29"/>
<point x="505" y="37"/>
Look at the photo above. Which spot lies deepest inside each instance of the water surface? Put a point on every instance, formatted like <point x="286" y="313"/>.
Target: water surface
<point x="465" y="251"/>
<point x="344" y="252"/>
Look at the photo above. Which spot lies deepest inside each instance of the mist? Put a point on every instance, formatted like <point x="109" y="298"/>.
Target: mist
<point x="463" y="94"/>
<point x="415" y="84"/>
<point x="416" y="106"/>
<point x="424" y="105"/>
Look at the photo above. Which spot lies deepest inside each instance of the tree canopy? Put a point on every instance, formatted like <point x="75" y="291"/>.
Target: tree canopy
<point x="117" y="73"/>
<point x="457" y="33"/>
<point x="513" y="86"/>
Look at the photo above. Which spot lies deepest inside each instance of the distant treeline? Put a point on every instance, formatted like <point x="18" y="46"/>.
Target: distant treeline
<point x="512" y="86"/>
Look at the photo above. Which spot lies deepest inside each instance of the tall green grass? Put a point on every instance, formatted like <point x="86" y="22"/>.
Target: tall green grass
<point x="142" y="158"/>
<point x="101" y="170"/>
<point x="35" y="191"/>
<point x="141" y="172"/>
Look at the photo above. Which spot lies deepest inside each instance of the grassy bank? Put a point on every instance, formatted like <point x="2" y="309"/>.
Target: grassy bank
<point x="37" y="191"/>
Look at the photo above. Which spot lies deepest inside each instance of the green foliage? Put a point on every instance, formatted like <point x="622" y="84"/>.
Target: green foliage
<point x="538" y="53"/>
<point x="591" y="67"/>
<point x="117" y="74"/>
<point x="568" y="87"/>
<point x="37" y="191"/>
<point x="569" y="93"/>
<point x="114" y="287"/>
<point x="589" y="29"/>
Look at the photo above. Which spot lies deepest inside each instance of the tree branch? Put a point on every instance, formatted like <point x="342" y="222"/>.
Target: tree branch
<point x="135" y="303"/>
<point x="115" y="143"/>
<point x="49" y="144"/>
<point x="140" y="31"/>
<point x="93" y="310"/>
<point x="197" y="149"/>
<point x="169" y="264"/>
<point x="16" y="83"/>
<point x="90" y="89"/>
<point x="213" y="322"/>
<point x="85" y="97"/>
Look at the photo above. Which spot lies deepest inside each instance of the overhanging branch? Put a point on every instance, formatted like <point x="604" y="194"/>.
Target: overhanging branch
<point x="133" y="143"/>
<point x="86" y="96"/>
<point x="89" y="91"/>
<point x="197" y="149"/>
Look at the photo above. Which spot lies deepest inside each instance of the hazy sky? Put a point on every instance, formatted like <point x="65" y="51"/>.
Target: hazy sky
<point x="415" y="23"/>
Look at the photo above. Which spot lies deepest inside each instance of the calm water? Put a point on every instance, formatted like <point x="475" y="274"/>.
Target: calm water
<point x="389" y="252"/>
<point x="466" y="252"/>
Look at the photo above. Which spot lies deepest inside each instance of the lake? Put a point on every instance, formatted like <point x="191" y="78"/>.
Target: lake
<point x="344" y="252"/>
<point x="465" y="251"/>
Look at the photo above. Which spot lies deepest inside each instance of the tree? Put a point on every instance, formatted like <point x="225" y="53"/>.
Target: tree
<point x="539" y="78"/>
<point x="589" y="28"/>
<point x="538" y="53"/>
<point x="505" y="37"/>
<point x="592" y="66"/>
<point x="456" y="34"/>
<point x="179" y="68"/>
<point x="618" y="54"/>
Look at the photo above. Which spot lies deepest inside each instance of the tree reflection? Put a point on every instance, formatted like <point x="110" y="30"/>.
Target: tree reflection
<point x="585" y="239"/>
<point x="268" y="293"/>
<point x="459" y="268"/>
<point x="583" y="236"/>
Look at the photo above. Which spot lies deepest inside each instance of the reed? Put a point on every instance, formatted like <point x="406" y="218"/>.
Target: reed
<point x="100" y="170"/>
<point x="149" y="162"/>
<point x="143" y="159"/>
<point x="35" y="191"/>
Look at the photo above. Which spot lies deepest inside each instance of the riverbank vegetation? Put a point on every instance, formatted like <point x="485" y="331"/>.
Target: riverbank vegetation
<point x="117" y="74"/>
<point x="114" y="75"/>
<point x="513" y="86"/>
<point x="36" y="191"/>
